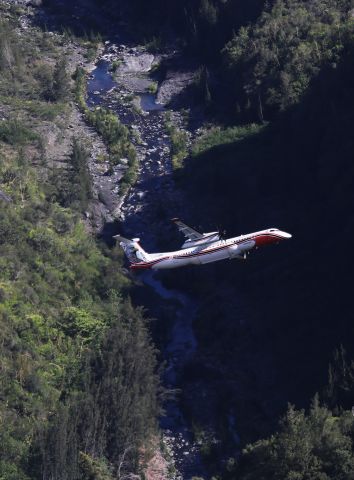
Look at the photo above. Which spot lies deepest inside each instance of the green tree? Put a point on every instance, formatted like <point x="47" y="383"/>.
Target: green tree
<point x="339" y="391"/>
<point x="44" y="76"/>
<point x="307" y="446"/>
<point x="71" y="186"/>
<point x="274" y="60"/>
<point x="208" y="12"/>
<point x="61" y="81"/>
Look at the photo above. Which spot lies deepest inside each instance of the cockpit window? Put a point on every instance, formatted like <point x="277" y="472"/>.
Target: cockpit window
<point x="272" y="229"/>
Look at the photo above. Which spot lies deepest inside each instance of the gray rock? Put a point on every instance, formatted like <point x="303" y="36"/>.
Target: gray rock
<point x="174" y="85"/>
<point x="105" y="196"/>
<point x="137" y="63"/>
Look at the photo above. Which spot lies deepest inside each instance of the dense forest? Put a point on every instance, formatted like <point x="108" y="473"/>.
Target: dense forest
<point x="290" y="73"/>
<point x="203" y="26"/>
<point x="79" y="389"/>
<point x="262" y="55"/>
<point x="297" y="173"/>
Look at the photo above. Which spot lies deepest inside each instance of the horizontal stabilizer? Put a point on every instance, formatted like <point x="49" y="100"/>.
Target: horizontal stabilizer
<point x="134" y="252"/>
<point x="119" y="238"/>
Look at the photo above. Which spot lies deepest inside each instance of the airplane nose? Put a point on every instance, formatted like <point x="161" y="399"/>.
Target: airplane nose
<point x="287" y="235"/>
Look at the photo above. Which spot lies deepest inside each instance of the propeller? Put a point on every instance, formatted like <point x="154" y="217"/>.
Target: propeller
<point x="222" y="233"/>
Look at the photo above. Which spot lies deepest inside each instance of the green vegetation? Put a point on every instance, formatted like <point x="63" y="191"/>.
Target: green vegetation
<point x="36" y="108"/>
<point x="78" y="366"/>
<point x="339" y="391"/>
<point x="73" y="183"/>
<point x="61" y="83"/>
<point x="35" y="80"/>
<point x="115" y="134"/>
<point x="274" y="60"/>
<point x="78" y="376"/>
<point x="114" y="65"/>
<point x="61" y="308"/>
<point x="316" y="445"/>
<point x="90" y="41"/>
<point x="266" y="54"/>
<point x="203" y="26"/>
<point x="285" y="173"/>
<point x="217" y="136"/>
<point x="15" y="132"/>
<point x="179" y="145"/>
<point x="284" y="82"/>
<point x="10" y="56"/>
<point x="152" y="88"/>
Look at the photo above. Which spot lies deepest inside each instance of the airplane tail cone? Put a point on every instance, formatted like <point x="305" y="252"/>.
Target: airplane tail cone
<point x="132" y="249"/>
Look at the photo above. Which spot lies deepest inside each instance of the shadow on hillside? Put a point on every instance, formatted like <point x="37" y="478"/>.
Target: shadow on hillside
<point x="296" y="298"/>
<point x="267" y="328"/>
<point x="82" y="17"/>
<point x="298" y="176"/>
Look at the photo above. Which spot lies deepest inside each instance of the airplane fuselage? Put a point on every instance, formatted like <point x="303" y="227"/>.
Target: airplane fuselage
<point x="236" y="247"/>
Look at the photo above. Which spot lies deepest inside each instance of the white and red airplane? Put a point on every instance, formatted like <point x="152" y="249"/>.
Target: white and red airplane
<point x="199" y="248"/>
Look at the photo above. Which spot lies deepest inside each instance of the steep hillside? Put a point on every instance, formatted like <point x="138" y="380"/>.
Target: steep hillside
<point x="270" y="326"/>
<point x="79" y="388"/>
<point x="295" y="174"/>
<point x="78" y="382"/>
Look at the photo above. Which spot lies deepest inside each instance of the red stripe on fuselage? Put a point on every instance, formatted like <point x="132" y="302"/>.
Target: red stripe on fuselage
<point x="260" y="239"/>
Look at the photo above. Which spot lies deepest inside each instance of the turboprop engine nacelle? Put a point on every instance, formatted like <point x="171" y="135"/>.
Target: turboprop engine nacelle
<point x="240" y="251"/>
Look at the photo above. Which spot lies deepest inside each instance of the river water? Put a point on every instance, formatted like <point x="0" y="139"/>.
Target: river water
<point x="144" y="213"/>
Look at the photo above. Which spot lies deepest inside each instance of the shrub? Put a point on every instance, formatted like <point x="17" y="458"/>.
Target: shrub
<point x="15" y="132"/>
<point x="218" y="136"/>
<point x="179" y="145"/>
<point x="115" y="134"/>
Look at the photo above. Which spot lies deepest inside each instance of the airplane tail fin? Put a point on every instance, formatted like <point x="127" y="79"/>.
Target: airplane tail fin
<point x="132" y="249"/>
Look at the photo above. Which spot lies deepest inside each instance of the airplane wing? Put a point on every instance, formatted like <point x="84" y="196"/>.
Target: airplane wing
<point x="188" y="232"/>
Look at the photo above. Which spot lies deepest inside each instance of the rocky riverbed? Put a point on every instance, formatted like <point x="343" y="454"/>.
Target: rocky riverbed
<point x="155" y="194"/>
<point x="144" y="212"/>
